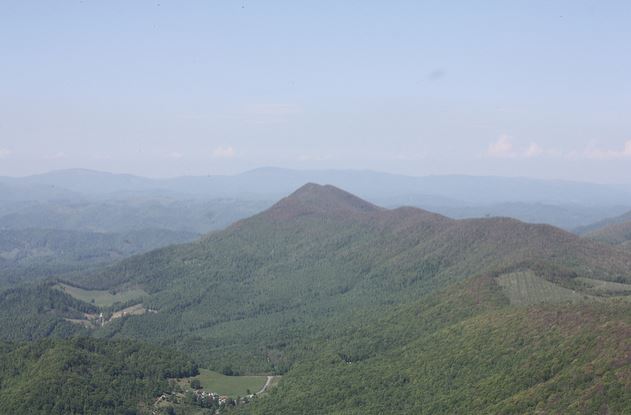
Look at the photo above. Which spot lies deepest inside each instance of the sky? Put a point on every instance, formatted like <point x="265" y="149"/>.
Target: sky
<point x="167" y="88"/>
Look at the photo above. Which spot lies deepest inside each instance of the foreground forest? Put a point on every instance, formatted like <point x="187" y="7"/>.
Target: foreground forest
<point x="361" y="309"/>
<point x="85" y="376"/>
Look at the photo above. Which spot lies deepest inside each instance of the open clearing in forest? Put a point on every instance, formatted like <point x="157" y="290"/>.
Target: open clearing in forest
<point x="232" y="386"/>
<point x="526" y="288"/>
<point x="101" y="298"/>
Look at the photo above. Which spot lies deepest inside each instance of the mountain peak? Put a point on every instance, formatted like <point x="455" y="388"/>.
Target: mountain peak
<point x="313" y="198"/>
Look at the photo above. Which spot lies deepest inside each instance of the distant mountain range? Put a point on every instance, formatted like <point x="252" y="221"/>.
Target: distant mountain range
<point x="561" y="203"/>
<point x="275" y="182"/>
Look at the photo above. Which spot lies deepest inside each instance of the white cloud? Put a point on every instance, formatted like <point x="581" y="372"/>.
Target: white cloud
<point x="4" y="152"/>
<point x="224" y="152"/>
<point x="596" y="153"/>
<point x="503" y="147"/>
<point x="533" y="150"/>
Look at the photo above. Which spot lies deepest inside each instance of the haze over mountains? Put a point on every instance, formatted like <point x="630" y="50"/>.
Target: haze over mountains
<point x="276" y="182"/>
<point x="178" y="209"/>
<point x="567" y="204"/>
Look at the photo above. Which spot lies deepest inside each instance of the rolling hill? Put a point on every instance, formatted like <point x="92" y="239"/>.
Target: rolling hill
<point x="615" y="231"/>
<point x="596" y="226"/>
<point x="616" y="234"/>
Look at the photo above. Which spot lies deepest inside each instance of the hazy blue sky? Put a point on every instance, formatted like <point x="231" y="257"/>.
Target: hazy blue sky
<point x="162" y="88"/>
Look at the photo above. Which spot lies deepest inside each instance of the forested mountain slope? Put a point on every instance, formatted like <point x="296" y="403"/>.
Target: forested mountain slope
<point x="86" y="376"/>
<point x="614" y="231"/>
<point x="466" y="350"/>
<point x="35" y="312"/>
<point x="616" y="234"/>
<point x="247" y="294"/>
<point x="600" y="225"/>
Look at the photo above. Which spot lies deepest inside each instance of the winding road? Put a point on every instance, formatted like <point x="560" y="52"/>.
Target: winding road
<point x="269" y="380"/>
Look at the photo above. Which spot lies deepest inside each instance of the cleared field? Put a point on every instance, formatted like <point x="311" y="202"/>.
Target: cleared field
<point x="135" y="310"/>
<point x="526" y="288"/>
<point x="101" y="298"/>
<point x="227" y="385"/>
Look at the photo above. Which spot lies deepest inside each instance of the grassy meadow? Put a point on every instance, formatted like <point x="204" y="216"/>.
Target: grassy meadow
<point x="101" y="298"/>
<point x="232" y="386"/>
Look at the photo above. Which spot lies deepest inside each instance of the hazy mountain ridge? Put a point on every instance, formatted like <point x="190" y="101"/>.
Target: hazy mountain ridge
<point x="276" y="182"/>
<point x="565" y="204"/>
<point x="27" y="254"/>
<point x="128" y="215"/>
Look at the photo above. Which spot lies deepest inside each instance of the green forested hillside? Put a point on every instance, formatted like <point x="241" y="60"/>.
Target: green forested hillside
<point x="614" y="231"/>
<point x="85" y="376"/>
<point x="466" y="350"/>
<point x="615" y="234"/>
<point x="247" y="295"/>
<point x="595" y="227"/>
<point x="34" y="312"/>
